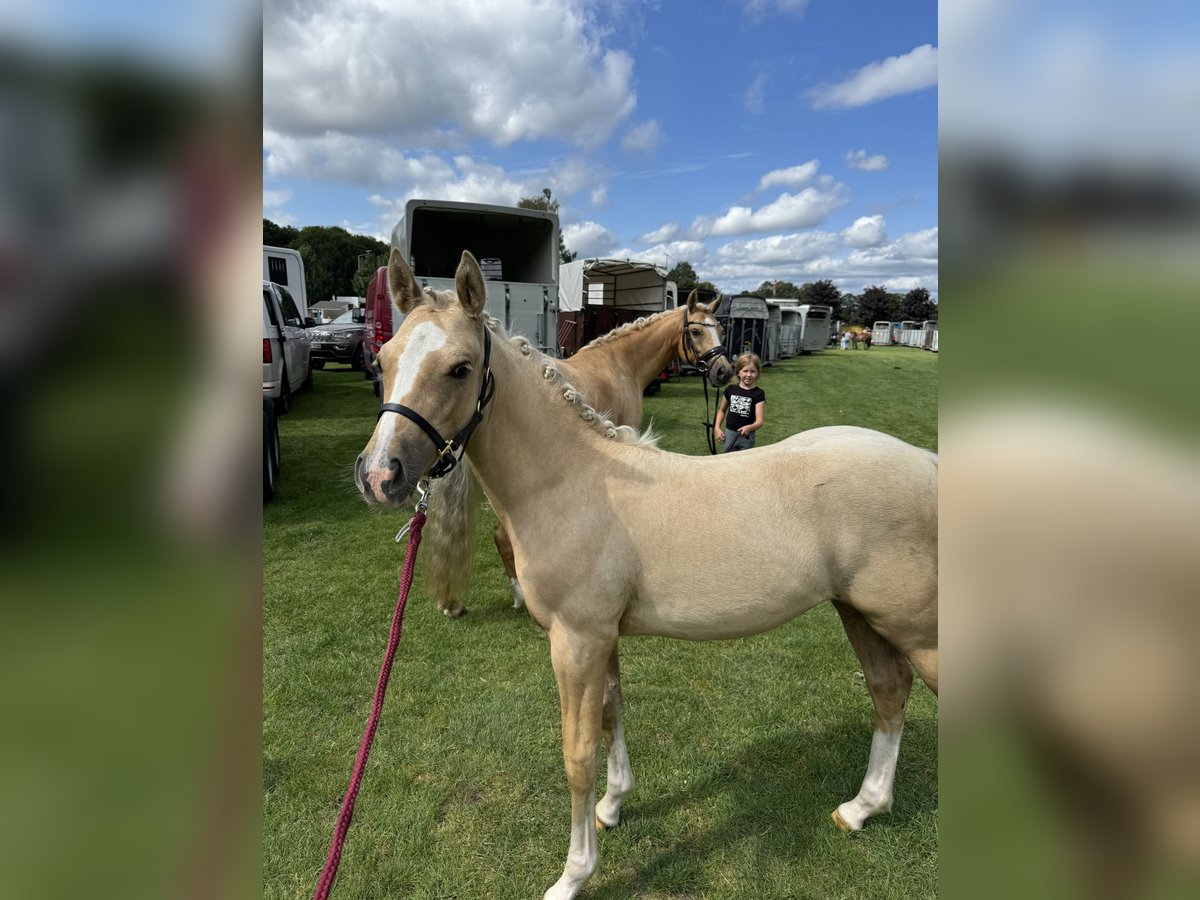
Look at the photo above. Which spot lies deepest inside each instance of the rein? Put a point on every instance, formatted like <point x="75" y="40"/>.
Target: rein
<point x="446" y="460"/>
<point x="329" y="872"/>
<point x="702" y="361"/>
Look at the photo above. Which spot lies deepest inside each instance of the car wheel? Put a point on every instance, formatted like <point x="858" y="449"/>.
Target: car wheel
<point x="318" y="363"/>
<point x="356" y="361"/>
<point x="284" y="401"/>
<point x="270" y="451"/>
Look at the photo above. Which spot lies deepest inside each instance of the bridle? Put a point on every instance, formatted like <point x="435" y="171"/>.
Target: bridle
<point x="446" y="460"/>
<point x="702" y="361"/>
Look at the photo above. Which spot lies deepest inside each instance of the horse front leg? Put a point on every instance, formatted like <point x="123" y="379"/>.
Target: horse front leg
<point x="580" y="662"/>
<point x="620" y="774"/>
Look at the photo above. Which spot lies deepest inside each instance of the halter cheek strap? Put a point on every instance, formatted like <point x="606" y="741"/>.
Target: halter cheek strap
<point x="446" y="460"/>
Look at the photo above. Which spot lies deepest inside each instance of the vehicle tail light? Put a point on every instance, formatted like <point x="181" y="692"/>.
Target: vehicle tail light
<point x="266" y="350"/>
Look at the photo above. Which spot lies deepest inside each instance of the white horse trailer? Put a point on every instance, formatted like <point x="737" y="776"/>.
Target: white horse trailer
<point x="790" y="332"/>
<point x="517" y="250"/>
<point x="816" y="323"/>
<point x="911" y="334"/>
<point x="881" y="334"/>
<point x="283" y="265"/>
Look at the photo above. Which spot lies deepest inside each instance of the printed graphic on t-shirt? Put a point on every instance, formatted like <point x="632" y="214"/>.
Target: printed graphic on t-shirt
<point x="739" y="405"/>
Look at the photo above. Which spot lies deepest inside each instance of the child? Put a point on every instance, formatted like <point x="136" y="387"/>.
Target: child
<point x="744" y="400"/>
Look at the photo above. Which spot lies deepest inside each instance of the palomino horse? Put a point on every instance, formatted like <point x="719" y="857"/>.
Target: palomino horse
<point x="451" y="370"/>
<point x="611" y="373"/>
<point x="863" y="338"/>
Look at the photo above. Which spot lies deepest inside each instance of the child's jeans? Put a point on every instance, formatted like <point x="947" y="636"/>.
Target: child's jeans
<point x="734" y="441"/>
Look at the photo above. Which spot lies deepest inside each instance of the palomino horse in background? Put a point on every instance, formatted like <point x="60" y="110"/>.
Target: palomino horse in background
<point x="863" y="338"/>
<point x="611" y="372"/>
<point x="628" y="505"/>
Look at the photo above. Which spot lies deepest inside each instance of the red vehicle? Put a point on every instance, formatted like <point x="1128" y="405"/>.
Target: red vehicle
<point x="382" y="319"/>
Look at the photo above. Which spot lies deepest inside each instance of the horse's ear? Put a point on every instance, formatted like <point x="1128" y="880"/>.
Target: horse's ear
<point x="692" y="300"/>
<point x="468" y="282"/>
<point x="716" y="304"/>
<point x="402" y="285"/>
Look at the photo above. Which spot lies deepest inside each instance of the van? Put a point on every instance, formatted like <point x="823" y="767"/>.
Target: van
<point x="287" y="363"/>
<point x="383" y="318"/>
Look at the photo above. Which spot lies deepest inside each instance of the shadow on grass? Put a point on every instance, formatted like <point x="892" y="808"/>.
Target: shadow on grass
<point x="779" y="793"/>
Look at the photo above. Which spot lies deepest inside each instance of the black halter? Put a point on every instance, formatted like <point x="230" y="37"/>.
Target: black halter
<point x="446" y="459"/>
<point x="702" y="361"/>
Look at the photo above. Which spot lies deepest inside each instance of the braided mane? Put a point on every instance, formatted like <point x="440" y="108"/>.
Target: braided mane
<point x="554" y="378"/>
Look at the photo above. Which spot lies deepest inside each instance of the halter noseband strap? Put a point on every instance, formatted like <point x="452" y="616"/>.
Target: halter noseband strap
<point x="446" y="460"/>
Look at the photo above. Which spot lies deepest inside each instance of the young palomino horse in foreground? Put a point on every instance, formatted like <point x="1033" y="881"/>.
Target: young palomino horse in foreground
<point x="600" y="547"/>
<point x="611" y="372"/>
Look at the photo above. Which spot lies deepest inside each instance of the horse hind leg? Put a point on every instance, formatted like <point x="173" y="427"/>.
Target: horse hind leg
<point x="450" y="533"/>
<point x="620" y="774"/>
<point x="889" y="680"/>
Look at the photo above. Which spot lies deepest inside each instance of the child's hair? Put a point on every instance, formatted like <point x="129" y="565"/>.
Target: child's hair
<point x="747" y="359"/>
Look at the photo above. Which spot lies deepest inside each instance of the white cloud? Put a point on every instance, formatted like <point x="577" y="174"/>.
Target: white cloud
<point x="438" y="74"/>
<point x="600" y="196"/>
<point x="790" y="177"/>
<point x="803" y="210"/>
<point x="660" y="235"/>
<point x="867" y="231"/>
<point x="274" y="203"/>
<point x="858" y="159"/>
<point x="642" y="138"/>
<point x="914" y="71"/>
<point x="910" y="261"/>
<point x="589" y="239"/>
<point x="753" y="99"/>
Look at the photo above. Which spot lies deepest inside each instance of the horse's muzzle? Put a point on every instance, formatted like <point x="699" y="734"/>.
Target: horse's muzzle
<point x="382" y="487"/>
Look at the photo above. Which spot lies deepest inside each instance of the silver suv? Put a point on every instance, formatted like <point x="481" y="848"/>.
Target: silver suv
<point x="287" y="367"/>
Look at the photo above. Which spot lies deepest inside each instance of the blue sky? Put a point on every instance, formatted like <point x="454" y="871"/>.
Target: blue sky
<point x="757" y="139"/>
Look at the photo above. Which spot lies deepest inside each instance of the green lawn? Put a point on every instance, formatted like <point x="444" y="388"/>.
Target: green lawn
<point x="741" y="748"/>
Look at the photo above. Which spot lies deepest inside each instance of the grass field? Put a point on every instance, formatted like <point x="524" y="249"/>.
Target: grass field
<point x="740" y="748"/>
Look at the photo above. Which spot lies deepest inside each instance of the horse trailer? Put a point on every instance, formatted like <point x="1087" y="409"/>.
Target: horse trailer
<point x="881" y="334"/>
<point x="910" y="334"/>
<point x="517" y="251"/>
<point x="816" y="322"/>
<point x="790" y="332"/>
<point x="929" y="331"/>
<point x="283" y="265"/>
<point x="745" y="323"/>
<point x="774" y="333"/>
<point x="597" y="295"/>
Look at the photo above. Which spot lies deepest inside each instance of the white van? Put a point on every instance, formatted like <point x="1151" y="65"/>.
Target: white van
<point x="287" y="366"/>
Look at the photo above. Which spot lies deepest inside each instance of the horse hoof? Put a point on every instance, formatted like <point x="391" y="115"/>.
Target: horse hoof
<point x="841" y="823"/>
<point x="454" y="611"/>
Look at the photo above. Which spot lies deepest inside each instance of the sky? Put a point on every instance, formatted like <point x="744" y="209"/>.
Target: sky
<point x="759" y="140"/>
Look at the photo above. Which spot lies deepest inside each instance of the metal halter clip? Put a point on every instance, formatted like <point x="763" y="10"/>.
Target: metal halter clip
<point x="422" y="504"/>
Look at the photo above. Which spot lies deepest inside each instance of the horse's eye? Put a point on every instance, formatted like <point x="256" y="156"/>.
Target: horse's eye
<point x="460" y="371"/>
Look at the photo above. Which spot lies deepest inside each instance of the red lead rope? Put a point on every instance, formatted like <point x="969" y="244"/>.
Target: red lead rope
<point x="364" y="746"/>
